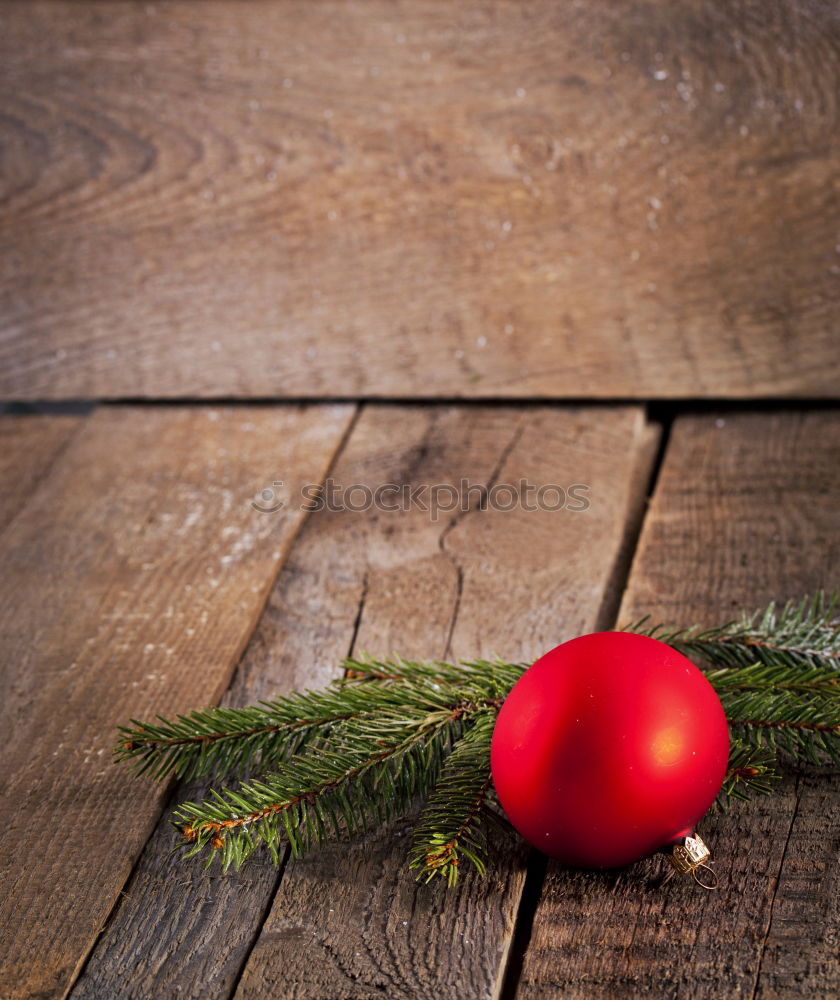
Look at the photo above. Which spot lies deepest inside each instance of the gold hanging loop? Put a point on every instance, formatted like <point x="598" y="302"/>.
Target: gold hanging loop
<point x="690" y="856"/>
<point x="712" y="882"/>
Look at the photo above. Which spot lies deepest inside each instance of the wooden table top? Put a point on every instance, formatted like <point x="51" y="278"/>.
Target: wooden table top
<point x="140" y="578"/>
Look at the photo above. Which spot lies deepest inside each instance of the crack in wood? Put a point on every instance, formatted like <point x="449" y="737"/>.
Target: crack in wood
<point x="360" y="611"/>
<point x="459" y="517"/>
<point x="777" y="883"/>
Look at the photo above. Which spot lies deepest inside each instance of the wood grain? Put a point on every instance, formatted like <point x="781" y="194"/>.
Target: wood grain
<point x="132" y="579"/>
<point x="744" y="512"/>
<point x="366" y="199"/>
<point x="29" y="444"/>
<point x="388" y="581"/>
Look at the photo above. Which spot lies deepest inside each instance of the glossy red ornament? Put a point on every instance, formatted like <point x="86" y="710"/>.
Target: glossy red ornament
<point x="610" y="747"/>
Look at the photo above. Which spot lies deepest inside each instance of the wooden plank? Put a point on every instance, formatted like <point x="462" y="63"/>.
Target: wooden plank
<point x="362" y="198"/>
<point x="744" y="512"/>
<point x="801" y="954"/>
<point x="131" y="582"/>
<point x="29" y="444"/>
<point x="351" y="921"/>
<point x="405" y="582"/>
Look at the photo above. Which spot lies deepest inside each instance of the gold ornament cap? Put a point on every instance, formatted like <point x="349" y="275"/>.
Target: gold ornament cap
<point x="691" y="856"/>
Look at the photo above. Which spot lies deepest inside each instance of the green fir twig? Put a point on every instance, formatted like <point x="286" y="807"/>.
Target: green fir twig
<point x="800" y="633"/>
<point x="794" y="709"/>
<point x="450" y="829"/>
<point x="369" y="775"/>
<point x="235" y="740"/>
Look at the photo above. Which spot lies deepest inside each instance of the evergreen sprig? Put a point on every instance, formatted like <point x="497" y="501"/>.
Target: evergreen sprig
<point x="794" y="709"/>
<point x="800" y="633"/>
<point x="236" y="740"/>
<point x="392" y="732"/>
<point x="450" y="828"/>
<point x="805" y="729"/>
<point x="372" y="770"/>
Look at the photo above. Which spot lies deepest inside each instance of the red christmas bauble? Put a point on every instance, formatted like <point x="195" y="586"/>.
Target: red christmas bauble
<point x="610" y="747"/>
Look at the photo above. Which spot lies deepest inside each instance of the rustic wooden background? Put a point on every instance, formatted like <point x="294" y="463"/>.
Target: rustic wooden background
<point x="374" y="198"/>
<point x="411" y="242"/>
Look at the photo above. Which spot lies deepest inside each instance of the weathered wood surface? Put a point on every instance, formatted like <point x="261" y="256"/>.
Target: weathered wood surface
<point x="350" y="921"/>
<point x="801" y="953"/>
<point x="367" y="199"/>
<point x="29" y="444"/>
<point x="745" y="511"/>
<point x="132" y="579"/>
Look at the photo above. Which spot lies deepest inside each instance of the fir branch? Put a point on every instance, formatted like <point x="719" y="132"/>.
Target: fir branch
<point x="450" y="830"/>
<point x="806" y="729"/>
<point x="227" y="740"/>
<point x="801" y="633"/>
<point x="371" y="772"/>
<point x="794" y="709"/>
<point x="750" y="772"/>
<point x="234" y="740"/>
